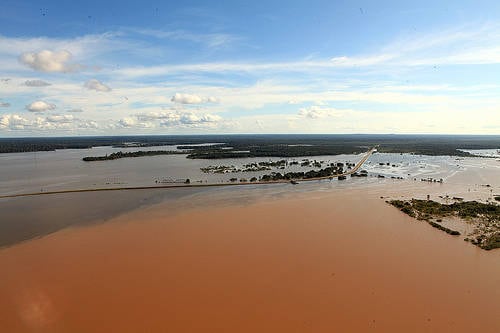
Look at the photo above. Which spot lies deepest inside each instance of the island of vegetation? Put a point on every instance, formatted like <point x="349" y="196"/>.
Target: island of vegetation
<point x="140" y="153"/>
<point x="326" y="172"/>
<point x="484" y="216"/>
<point x="269" y="165"/>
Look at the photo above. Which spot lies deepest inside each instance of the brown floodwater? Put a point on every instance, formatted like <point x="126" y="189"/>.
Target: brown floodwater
<point x="313" y="262"/>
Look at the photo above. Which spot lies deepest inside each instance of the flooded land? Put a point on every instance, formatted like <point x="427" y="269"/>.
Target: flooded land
<point x="315" y="256"/>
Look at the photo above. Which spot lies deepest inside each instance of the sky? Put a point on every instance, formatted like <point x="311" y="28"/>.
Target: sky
<point x="213" y="67"/>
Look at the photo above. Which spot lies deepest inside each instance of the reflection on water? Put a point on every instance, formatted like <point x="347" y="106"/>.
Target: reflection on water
<point x="31" y="217"/>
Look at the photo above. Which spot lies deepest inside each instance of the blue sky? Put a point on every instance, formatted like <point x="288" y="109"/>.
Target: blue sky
<point x="157" y="67"/>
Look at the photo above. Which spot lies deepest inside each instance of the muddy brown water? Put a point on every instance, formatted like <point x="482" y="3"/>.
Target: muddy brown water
<point x="310" y="262"/>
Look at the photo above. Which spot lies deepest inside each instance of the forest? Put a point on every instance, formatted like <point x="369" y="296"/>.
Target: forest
<point x="238" y="146"/>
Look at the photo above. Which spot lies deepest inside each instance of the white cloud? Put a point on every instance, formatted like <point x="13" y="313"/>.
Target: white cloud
<point x="127" y="122"/>
<point x="188" y="119"/>
<point x="44" y="123"/>
<point x="36" y="83"/>
<point x="63" y="122"/>
<point x="458" y="46"/>
<point x="171" y="118"/>
<point x="87" y="124"/>
<point x="84" y="48"/>
<point x="4" y="105"/>
<point x="186" y="99"/>
<point x="40" y="106"/>
<point x="75" y="110"/>
<point x="134" y="122"/>
<point x="79" y="46"/>
<point x="315" y="112"/>
<point x="361" y="61"/>
<point x="54" y="122"/>
<point x="13" y="122"/>
<point x="218" y="67"/>
<point x="212" y="100"/>
<point x="96" y="85"/>
<point x="214" y="40"/>
<point x="192" y="99"/>
<point x="60" y="118"/>
<point x="48" y="61"/>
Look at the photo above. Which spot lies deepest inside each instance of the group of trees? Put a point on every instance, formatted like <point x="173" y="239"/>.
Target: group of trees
<point x="120" y="154"/>
<point x="236" y="146"/>
<point x="326" y="172"/>
<point x="466" y="209"/>
<point x="279" y="163"/>
<point x="362" y="173"/>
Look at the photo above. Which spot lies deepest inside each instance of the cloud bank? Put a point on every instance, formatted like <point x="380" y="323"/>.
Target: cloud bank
<point x="16" y="122"/>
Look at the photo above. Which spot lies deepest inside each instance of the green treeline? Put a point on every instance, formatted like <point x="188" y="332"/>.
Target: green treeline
<point x="235" y="146"/>
<point x="464" y="209"/>
<point x="326" y="172"/>
<point x="120" y="154"/>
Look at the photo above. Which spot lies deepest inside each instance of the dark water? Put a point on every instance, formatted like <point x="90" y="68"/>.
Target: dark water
<point x="26" y="218"/>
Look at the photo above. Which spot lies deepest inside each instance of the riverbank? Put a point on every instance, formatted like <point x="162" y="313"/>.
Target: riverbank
<point x="245" y="261"/>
